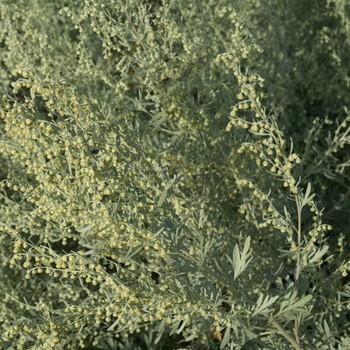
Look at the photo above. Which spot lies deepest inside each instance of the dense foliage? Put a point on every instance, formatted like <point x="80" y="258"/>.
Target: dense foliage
<point x="174" y="174"/>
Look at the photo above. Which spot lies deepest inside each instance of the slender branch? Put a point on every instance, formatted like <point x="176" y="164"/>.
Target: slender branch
<point x="285" y="334"/>
<point x="299" y="209"/>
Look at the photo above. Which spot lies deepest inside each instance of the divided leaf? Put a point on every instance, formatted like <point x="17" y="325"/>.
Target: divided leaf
<point x="262" y="307"/>
<point x="297" y="307"/>
<point x="307" y="198"/>
<point x="239" y="261"/>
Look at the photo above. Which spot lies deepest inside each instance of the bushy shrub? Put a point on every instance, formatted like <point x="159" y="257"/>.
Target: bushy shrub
<point x="149" y="197"/>
<point x="306" y="67"/>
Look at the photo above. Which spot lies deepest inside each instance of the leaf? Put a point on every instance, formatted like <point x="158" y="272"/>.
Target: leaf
<point x="179" y="285"/>
<point x="84" y="229"/>
<point x="308" y="190"/>
<point x="162" y="325"/>
<point x="286" y="212"/>
<point x="326" y="328"/>
<point x="168" y="259"/>
<point x="250" y="334"/>
<point x="291" y="146"/>
<point x="165" y="192"/>
<point x="246" y="246"/>
<point x="175" y="327"/>
<point x="113" y="325"/>
<point x="319" y="254"/>
<point x="289" y="299"/>
<point x="182" y="327"/>
<point x="263" y="306"/>
<point x="226" y="338"/>
<point x="158" y="119"/>
<point x="307" y="198"/>
<point x="162" y="197"/>
<point x="239" y="261"/>
<point x="235" y="329"/>
<point x="236" y="259"/>
<point x="207" y="247"/>
<point x="191" y="337"/>
<point x="296" y="307"/>
<point x="303" y="301"/>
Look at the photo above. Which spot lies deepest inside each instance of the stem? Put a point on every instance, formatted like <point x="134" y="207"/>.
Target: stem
<point x="286" y="335"/>
<point x="299" y="209"/>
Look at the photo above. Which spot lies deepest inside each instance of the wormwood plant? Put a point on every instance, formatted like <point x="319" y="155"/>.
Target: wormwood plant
<point x="305" y="64"/>
<point x="149" y="198"/>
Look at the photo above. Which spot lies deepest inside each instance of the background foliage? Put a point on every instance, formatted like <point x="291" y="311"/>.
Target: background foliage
<point x="174" y="174"/>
